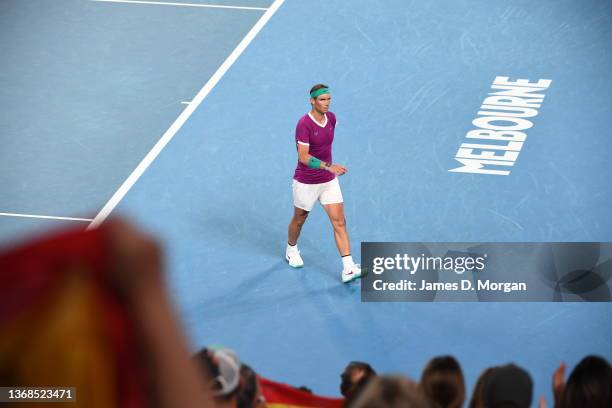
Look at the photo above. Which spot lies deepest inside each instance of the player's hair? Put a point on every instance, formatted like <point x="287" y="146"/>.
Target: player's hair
<point x="317" y="87"/>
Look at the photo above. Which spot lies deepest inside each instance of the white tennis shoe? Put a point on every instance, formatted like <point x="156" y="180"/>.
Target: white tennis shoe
<point x="351" y="273"/>
<point x="292" y="255"/>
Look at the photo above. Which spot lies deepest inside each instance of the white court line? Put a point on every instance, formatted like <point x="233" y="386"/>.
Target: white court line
<point x="49" y="217"/>
<point x="182" y="118"/>
<point x="164" y="3"/>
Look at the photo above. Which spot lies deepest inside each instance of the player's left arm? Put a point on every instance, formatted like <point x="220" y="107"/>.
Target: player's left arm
<point x="309" y="160"/>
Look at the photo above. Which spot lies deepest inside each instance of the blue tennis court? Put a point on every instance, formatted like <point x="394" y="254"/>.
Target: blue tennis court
<point x="182" y="118"/>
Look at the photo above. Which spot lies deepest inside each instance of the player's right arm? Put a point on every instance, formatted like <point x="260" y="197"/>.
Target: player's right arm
<point x="307" y="159"/>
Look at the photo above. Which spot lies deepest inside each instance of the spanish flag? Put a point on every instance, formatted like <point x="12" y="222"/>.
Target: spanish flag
<point x="279" y="395"/>
<point x="61" y="324"/>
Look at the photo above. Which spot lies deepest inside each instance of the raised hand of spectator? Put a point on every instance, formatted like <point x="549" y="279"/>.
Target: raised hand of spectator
<point x="136" y="260"/>
<point x="558" y="383"/>
<point x="136" y="271"/>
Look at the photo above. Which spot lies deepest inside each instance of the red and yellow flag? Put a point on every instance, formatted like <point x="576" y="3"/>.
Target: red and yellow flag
<point x="279" y="395"/>
<point x="61" y="324"/>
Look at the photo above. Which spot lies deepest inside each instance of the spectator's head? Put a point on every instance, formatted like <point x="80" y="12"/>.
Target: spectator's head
<point x="507" y="386"/>
<point x="477" y="398"/>
<point x="355" y="377"/>
<point x="391" y="392"/>
<point x="442" y="382"/>
<point x="249" y="391"/>
<point x="589" y="385"/>
<point x="222" y="368"/>
<point x="355" y="372"/>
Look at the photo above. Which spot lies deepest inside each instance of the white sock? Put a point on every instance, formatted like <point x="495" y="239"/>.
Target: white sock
<point x="347" y="262"/>
<point x="292" y="248"/>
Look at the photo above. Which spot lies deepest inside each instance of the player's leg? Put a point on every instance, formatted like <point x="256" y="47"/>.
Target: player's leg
<point x="295" y="225"/>
<point x="292" y="253"/>
<point x="335" y="212"/>
<point x="332" y="201"/>
<point x="304" y="197"/>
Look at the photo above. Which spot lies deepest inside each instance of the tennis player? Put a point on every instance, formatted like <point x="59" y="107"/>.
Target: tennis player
<point x="315" y="179"/>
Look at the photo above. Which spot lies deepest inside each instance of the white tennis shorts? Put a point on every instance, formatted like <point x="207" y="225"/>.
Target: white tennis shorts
<point x="305" y="195"/>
